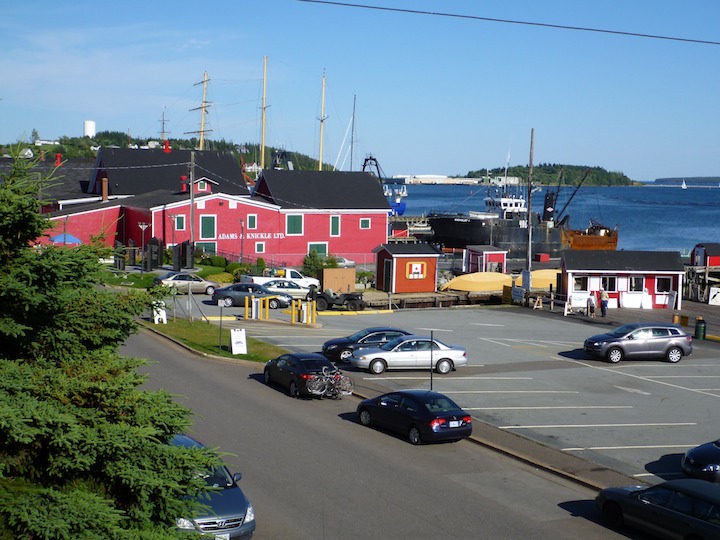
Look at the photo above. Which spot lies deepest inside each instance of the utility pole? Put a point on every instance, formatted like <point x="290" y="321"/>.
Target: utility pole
<point x="529" y="201"/>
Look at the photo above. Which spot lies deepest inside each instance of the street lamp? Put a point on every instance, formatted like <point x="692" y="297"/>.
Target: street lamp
<point x="142" y="226"/>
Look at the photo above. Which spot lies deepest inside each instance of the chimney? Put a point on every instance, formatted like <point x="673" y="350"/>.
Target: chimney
<point x="183" y="184"/>
<point x="104" y="182"/>
<point x="58" y="160"/>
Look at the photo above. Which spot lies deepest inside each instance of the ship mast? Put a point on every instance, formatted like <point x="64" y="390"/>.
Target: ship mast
<point x="322" y="121"/>
<point x="203" y="111"/>
<point x="262" y="143"/>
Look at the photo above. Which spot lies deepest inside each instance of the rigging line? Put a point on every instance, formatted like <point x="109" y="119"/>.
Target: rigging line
<point x="510" y="21"/>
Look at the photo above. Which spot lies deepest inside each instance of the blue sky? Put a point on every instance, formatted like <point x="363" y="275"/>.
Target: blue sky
<point x="434" y="94"/>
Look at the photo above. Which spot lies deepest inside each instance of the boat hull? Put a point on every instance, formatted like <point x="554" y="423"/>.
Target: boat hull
<point x="511" y="235"/>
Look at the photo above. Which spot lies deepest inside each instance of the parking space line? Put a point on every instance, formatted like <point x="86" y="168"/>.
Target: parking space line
<point x="631" y="375"/>
<point x="558" y="426"/>
<point x="511" y="392"/>
<point x="685" y="376"/>
<point x="573" y="407"/>
<point x="635" y="447"/>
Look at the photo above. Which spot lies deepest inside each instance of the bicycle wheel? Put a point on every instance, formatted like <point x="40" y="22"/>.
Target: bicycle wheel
<point x="346" y="385"/>
<point x="315" y="385"/>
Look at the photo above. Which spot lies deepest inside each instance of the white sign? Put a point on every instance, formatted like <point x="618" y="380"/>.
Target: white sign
<point x="238" y="343"/>
<point x="714" y="297"/>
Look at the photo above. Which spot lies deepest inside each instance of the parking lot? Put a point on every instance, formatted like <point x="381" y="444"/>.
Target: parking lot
<point x="528" y="375"/>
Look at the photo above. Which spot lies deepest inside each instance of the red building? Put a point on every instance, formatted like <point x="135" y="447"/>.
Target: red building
<point x="287" y="215"/>
<point x="707" y="254"/>
<point x="406" y="268"/>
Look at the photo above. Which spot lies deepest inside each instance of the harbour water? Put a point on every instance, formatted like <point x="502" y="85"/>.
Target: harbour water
<point x="649" y="218"/>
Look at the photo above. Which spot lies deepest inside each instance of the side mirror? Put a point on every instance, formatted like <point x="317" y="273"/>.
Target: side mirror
<point x="237" y="477"/>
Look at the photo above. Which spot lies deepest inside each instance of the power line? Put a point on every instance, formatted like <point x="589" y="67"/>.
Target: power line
<point x="510" y="21"/>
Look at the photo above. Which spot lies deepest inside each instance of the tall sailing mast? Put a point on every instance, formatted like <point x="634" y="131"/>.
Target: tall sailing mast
<point x="262" y="128"/>
<point x="529" y="201"/>
<point x="322" y="121"/>
<point x="203" y="108"/>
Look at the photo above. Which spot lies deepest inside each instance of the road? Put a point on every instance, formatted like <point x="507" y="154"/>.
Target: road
<point x="529" y="376"/>
<point x="313" y="472"/>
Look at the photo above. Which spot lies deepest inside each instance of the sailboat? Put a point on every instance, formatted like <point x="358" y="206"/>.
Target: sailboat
<point x="684" y="185"/>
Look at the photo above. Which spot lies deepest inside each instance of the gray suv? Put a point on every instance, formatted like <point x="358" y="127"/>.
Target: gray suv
<point x="641" y="340"/>
<point x="231" y="515"/>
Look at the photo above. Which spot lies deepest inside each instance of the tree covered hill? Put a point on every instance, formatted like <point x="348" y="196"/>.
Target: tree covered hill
<point x="85" y="147"/>
<point x="549" y="174"/>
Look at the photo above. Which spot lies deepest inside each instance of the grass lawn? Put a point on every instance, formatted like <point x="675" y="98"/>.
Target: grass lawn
<point x="206" y="338"/>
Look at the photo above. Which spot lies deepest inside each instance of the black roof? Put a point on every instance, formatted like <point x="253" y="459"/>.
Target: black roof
<point x="711" y="248"/>
<point x="321" y="189"/>
<point x="135" y="172"/>
<point x="408" y="249"/>
<point x="633" y="261"/>
<point x="69" y="180"/>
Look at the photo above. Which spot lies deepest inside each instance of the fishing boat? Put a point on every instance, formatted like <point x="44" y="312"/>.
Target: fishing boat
<point x="504" y="224"/>
<point x="393" y="192"/>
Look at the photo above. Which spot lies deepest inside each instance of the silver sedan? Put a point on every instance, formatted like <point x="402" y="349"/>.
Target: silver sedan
<point x="411" y="352"/>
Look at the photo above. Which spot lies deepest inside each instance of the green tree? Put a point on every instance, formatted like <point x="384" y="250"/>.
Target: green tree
<point x="84" y="452"/>
<point x="312" y="264"/>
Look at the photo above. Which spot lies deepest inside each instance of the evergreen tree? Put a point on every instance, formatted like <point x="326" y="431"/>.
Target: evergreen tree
<point x="84" y="452"/>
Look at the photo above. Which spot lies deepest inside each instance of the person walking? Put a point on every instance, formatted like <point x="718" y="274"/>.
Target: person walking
<point x="603" y="302"/>
<point x="591" y="305"/>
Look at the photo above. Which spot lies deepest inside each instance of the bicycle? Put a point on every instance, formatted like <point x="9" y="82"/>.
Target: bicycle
<point x="330" y="383"/>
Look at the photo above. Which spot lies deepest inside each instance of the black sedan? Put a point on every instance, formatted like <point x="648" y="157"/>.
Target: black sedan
<point x="293" y="370"/>
<point x="236" y="295"/>
<point x="420" y="415"/>
<point x="703" y="461"/>
<point x="687" y="508"/>
<point x="342" y="348"/>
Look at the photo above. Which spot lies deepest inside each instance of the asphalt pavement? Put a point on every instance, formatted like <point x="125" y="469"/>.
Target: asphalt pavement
<point x="529" y="451"/>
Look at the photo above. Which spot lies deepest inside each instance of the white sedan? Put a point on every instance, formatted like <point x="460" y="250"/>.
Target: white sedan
<point x="289" y="287"/>
<point x="411" y="352"/>
<point x="342" y="262"/>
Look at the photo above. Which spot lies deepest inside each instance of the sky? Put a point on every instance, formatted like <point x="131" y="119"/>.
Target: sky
<point x="446" y="91"/>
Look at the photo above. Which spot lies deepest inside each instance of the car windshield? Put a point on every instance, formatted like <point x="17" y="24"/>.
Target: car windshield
<point x="623" y="330"/>
<point x="316" y="364"/>
<point x="390" y="345"/>
<point x="358" y="335"/>
<point x="219" y="478"/>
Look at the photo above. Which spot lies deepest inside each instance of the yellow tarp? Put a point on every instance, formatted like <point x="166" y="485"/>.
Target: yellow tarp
<point x="494" y="281"/>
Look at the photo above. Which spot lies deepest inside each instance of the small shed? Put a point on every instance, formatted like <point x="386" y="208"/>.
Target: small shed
<point x="632" y="279"/>
<point x="707" y="254"/>
<point x="406" y="268"/>
<point x="485" y="258"/>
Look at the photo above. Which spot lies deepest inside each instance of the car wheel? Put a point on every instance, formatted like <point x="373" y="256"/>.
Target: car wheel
<point x="266" y="376"/>
<point x="377" y="367"/>
<point x="273" y="303"/>
<point x="345" y="354"/>
<point x="322" y="304"/>
<point x="614" y="355"/>
<point x="443" y="366"/>
<point x="365" y="418"/>
<point x="293" y="390"/>
<point x="613" y="516"/>
<point x="210" y="290"/>
<point x="352" y="305"/>
<point x="674" y="355"/>
<point x="414" y="436"/>
<point x="227" y="302"/>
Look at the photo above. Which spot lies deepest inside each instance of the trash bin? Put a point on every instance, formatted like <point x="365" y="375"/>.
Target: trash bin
<point x="700" y="326"/>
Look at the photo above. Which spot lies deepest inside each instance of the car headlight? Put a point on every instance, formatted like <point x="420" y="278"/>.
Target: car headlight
<point x="711" y="468"/>
<point x="184" y="523"/>
<point x="332" y="347"/>
<point x="250" y="514"/>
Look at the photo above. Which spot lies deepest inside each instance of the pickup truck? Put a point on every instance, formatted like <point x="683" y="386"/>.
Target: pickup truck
<point x="287" y="273"/>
